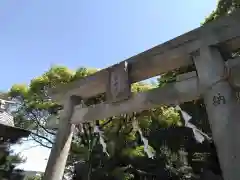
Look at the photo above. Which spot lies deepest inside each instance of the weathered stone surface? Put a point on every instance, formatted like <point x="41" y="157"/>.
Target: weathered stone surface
<point x="221" y="106"/>
<point x="118" y="86"/>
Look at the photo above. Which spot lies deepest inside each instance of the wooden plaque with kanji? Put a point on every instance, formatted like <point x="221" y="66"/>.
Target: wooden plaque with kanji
<point x="119" y="87"/>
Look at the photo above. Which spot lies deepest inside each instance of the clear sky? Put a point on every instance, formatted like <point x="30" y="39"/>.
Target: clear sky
<point x="37" y="34"/>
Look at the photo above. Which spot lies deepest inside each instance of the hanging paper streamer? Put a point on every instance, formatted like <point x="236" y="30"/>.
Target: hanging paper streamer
<point x="185" y="115"/>
<point x="147" y="149"/>
<point x="199" y="135"/>
<point x="101" y="140"/>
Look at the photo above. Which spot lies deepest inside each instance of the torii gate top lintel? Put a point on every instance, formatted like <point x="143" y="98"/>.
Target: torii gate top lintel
<point x="162" y="58"/>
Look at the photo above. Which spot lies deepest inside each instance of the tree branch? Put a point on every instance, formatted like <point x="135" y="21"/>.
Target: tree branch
<point x="42" y="137"/>
<point x="127" y="133"/>
<point x="106" y="123"/>
<point x="39" y="124"/>
<point x="42" y="144"/>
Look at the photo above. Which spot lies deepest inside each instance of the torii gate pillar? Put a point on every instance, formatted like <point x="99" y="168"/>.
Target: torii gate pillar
<point x="60" y="150"/>
<point x="221" y="106"/>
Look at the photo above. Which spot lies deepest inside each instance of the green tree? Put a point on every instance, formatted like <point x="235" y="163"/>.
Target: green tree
<point x="224" y="7"/>
<point x="34" y="104"/>
<point x="8" y="161"/>
<point x="34" y="178"/>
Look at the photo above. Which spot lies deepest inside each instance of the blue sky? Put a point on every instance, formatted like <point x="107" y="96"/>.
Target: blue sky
<point x="35" y="34"/>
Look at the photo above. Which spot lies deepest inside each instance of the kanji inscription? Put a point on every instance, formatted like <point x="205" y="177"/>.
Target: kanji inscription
<point x="218" y="99"/>
<point x="118" y="85"/>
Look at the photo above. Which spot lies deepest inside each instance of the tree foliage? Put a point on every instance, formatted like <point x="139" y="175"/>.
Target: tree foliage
<point x="8" y="161"/>
<point x="224" y="7"/>
<point x="34" y="178"/>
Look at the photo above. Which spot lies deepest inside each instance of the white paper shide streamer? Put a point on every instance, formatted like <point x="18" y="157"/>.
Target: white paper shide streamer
<point x="147" y="149"/>
<point x="101" y="139"/>
<point x="199" y="135"/>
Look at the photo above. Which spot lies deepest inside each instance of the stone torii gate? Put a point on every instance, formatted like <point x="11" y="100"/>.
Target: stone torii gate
<point x="214" y="80"/>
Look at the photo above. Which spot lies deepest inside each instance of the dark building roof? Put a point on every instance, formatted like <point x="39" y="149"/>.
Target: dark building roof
<point x="8" y="132"/>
